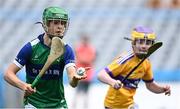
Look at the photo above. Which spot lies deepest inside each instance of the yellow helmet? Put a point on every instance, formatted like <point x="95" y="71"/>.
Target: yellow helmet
<point x="142" y="38"/>
<point x="143" y="32"/>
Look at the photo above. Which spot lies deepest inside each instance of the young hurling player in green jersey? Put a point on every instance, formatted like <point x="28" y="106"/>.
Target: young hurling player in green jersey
<point x="49" y="93"/>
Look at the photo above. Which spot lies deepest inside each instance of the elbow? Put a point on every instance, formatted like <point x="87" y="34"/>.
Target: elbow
<point x="152" y="88"/>
<point x="5" y="76"/>
<point x="148" y="86"/>
<point x="100" y="75"/>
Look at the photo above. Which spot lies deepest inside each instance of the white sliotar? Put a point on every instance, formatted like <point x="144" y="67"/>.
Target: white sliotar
<point x="80" y="71"/>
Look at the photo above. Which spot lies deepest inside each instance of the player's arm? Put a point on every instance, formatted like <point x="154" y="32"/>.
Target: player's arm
<point x="73" y="76"/>
<point x="154" y="87"/>
<point x="151" y="84"/>
<point x="71" y="67"/>
<point x="104" y="77"/>
<point x="19" y="62"/>
<point x="11" y="78"/>
<point x="71" y="72"/>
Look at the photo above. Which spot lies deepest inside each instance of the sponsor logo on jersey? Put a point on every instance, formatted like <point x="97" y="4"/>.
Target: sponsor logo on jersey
<point x="48" y="72"/>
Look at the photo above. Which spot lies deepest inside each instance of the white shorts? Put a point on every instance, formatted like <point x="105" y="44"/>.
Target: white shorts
<point x="133" y="106"/>
<point x="29" y="106"/>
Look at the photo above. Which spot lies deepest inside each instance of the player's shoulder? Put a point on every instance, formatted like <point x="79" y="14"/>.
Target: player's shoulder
<point x="37" y="40"/>
<point x="124" y="56"/>
<point x="67" y="46"/>
<point x="34" y="41"/>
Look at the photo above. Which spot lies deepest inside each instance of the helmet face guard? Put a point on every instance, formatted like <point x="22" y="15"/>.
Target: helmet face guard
<point x="142" y="39"/>
<point x="55" y="14"/>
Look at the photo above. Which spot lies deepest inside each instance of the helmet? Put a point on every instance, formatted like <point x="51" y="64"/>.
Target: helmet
<point x="54" y="13"/>
<point x="142" y="39"/>
<point x="143" y="33"/>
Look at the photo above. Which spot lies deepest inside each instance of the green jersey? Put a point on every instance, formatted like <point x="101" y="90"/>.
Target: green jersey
<point x="50" y="89"/>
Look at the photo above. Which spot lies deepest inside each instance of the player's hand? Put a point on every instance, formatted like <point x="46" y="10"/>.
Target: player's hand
<point x="117" y="85"/>
<point x="28" y="90"/>
<point x="81" y="73"/>
<point x="167" y="90"/>
<point x="79" y="77"/>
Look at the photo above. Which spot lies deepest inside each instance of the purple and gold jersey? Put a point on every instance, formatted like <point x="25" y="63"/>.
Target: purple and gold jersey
<point x="118" y="69"/>
<point x="50" y="90"/>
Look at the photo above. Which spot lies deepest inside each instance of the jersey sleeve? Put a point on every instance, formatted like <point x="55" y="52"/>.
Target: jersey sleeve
<point x="148" y="77"/>
<point x="115" y="68"/>
<point x="23" y="56"/>
<point x="69" y="56"/>
<point x="118" y="65"/>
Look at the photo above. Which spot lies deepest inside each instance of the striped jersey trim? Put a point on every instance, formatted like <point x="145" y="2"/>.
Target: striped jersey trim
<point x="108" y="72"/>
<point x="125" y="58"/>
<point x="70" y="64"/>
<point x="19" y="65"/>
<point x="34" y="42"/>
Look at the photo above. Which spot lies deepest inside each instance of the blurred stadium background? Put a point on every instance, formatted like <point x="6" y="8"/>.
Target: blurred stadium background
<point x="107" y="22"/>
